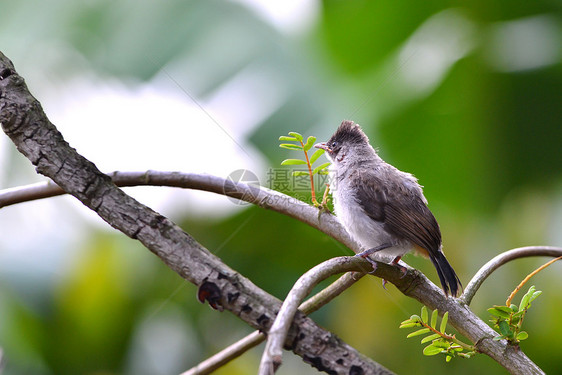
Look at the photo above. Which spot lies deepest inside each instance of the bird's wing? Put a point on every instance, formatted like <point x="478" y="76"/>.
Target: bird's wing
<point x="401" y="209"/>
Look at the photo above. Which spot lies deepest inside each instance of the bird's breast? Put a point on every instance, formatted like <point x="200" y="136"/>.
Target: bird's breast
<point x="367" y="232"/>
<point x="364" y="230"/>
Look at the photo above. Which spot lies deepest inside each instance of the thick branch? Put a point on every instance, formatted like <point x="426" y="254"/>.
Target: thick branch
<point x="35" y="137"/>
<point x="241" y="346"/>
<point x="25" y="123"/>
<point x="273" y="351"/>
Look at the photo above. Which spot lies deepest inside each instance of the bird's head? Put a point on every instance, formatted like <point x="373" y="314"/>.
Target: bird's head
<point x="348" y="144"/>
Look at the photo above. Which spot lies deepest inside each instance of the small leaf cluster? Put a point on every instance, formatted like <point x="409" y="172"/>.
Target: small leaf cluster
<point x="509" y="319"/>
<point x="304" y="146"/>
<point x="440" y="341"/>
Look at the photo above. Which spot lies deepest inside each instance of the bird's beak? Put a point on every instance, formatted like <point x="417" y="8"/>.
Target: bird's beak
<point x="323" y="146"/>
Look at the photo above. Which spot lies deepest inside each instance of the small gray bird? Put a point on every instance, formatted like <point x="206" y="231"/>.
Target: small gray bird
<point x="381" y="207"/>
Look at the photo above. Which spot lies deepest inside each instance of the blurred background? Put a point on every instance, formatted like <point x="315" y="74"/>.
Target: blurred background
<point x="468" y="97"/>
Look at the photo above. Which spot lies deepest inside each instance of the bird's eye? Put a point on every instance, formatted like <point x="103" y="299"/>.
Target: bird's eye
<point x="334" y="144"/>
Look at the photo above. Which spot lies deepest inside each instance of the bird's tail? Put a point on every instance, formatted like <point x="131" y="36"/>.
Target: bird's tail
<point x="449" y="279"/>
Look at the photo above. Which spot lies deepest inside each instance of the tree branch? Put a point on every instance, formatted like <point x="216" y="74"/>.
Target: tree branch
<point x="260" y="196"/>
<point x="238" y="348"/>
<point x="25" y="123"/>
<point x="37" y="138"/>
<point x="271" y="358"/>
<point x="500" y="260"/>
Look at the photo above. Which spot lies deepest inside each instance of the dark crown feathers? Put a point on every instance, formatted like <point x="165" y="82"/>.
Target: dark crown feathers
<point x="349" y="132"/>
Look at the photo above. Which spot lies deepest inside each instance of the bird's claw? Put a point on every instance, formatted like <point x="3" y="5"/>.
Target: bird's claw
<point x="373" y="263"/>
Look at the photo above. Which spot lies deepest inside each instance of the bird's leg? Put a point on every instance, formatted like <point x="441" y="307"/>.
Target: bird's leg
<point x="365" y="254"/>
<point x="403" y="269"/>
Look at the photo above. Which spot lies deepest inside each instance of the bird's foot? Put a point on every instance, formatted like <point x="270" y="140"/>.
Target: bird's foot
<point x="366" y="257"/>
<point x="365" y="254"/>
<point x="403" y="269"/>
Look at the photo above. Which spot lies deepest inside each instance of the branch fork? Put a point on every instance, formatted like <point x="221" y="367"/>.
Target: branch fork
<point x="23" y="120"/>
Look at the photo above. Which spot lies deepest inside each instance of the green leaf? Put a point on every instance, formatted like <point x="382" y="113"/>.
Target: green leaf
<point x="528" y="298"/>
<point x="430" y="338"/>
<point x="518" y="314"/>
<point x="290" y="146"/>
<point x="498" y="338"/>
<point x="316" y="155"/>
<point x="535" y="295"/>
<point x="431" y="350"/>
<point x="516" y="319"/>
<point x="505" y="329"/>
<point x="286" y="138"/>
<point x="448" y="358"/>
<point x="320" y="167"/>
<point x="497" y="312"/>
<point x="524" y="302"/>
<point x="418" y="332"/>
<point x="522" y="336"/>
<point x="292" y="162"/>
<point x="409" y="324"/>
<point x="300" y="173"/>
<point x="505" y="309"/>
<point x="443" y="325"/>
<point x="441" y="343"/>
<point x="424" y="314"/>
<point x="433" y="318"/>
<point x="309" y="143"/>
<point x="296" y="135"/>
<point x="467" y="355"/>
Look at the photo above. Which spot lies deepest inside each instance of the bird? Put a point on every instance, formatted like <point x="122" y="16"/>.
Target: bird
<point x="382" y="208"/>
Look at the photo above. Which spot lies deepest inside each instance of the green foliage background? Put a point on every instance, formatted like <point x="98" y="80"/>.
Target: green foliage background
<point x="485" y="142"/>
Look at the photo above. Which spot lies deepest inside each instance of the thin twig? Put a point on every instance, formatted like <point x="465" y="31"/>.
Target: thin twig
<point x="312" y="189"/>
<point x="446" y="336"/>
<point x="522" y="283"/>
<point x="325" y="197"/>
<point x="255" y="338"/>
<point x="227" y="354"/>
<point x="260" y="196"/>
<point x="501" y="259"/>
<point x="301" y="211"/>
<point x="273" y="351"/>
<point x="23" y="120"/>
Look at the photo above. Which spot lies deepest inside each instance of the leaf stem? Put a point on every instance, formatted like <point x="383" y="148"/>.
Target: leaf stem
<point x="448" y="337"/>
<point x="325" y="196"/>
<point x="313" y="193"/>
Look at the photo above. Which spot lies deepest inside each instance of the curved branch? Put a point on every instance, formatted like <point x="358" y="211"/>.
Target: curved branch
<point x="273" y="351"/>
<point x="24" y="121"/>
<point x="258" y="195"/>
<point x="501" y="259"/>
<point x="255" y="338"/>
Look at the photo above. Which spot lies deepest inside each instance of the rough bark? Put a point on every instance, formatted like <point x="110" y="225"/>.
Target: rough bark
<point x="24" y="121"/>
